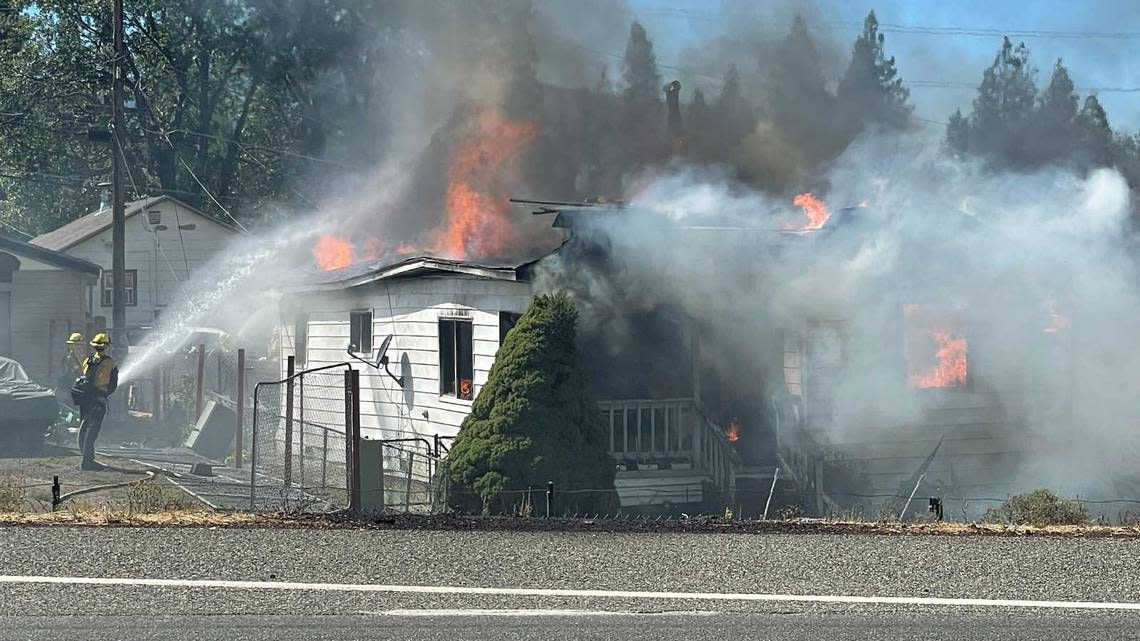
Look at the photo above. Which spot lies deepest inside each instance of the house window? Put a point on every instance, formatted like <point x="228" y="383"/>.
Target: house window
<point x="130" y="288"/>
<point x="456" y="359"/>
<point x="360" y="332"/>
<point x="935" y="347"/>
<point x="507" y="321"/>
<point x="301" y="337"/>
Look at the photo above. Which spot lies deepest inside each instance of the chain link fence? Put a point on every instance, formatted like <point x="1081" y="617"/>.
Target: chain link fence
<point x="413" y="481"/>
<point x="298" y="445"/>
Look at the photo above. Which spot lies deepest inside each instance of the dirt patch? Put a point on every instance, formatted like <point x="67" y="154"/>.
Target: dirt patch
<point x="31" y="479"/>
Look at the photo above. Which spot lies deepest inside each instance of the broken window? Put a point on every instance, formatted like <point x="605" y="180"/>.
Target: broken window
<point x="935" y="347"/>
<point x="360" y="332"/>
<point x="507" y="321"/>
<point x="456" y="359"/>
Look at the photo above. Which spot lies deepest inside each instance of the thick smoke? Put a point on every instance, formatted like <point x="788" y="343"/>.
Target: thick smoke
<point x="1036" y="269"/>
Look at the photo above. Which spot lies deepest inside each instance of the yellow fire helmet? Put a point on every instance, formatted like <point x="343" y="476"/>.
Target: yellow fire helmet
<point x="75" y="338"/>
<point x="101" y="340"/>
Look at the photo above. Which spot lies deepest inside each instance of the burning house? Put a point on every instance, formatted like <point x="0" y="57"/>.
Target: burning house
<point x="860" y="350"/>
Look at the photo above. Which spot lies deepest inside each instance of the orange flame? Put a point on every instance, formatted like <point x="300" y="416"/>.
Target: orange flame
<point x="478" y="210"/>
<point x="814" y="208"/>
<point x="333" y="252"/>
<point x="949" y="366"/>
<point x="732" y="432"/>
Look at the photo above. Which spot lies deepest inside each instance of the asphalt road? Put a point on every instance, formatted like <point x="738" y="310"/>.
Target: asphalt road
<point x="323" y="584"/>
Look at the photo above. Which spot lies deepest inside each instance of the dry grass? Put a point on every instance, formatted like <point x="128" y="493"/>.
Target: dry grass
<point x="83" y="514"/>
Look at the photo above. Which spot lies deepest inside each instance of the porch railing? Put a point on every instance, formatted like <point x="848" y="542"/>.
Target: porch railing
<point x="674" y="431"/>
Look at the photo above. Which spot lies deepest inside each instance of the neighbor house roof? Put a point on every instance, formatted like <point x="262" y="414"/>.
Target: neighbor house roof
<point x="369" y="272"/>
<point x="48" y="256"/>
<point x="96" y="222"/>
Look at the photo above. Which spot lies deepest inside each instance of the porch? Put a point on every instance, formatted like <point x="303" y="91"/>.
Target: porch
<point x="668" y="451"/>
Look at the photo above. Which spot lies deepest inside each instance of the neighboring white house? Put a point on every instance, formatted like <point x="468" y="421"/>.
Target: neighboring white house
<point x="43" y="298"/>
<point x="166" y="241"/>
<point x="446" y="320"/>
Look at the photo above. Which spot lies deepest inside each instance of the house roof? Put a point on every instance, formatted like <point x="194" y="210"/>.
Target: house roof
<point x="369" y="272"/>
<point x="49" y="256"/>
<point x="96" y="222"/>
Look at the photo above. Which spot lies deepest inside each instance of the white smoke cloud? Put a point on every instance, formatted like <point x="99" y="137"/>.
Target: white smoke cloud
<point x="1004" y="250"/>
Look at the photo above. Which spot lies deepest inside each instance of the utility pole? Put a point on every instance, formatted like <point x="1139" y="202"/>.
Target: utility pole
<point x="118" y="213"/>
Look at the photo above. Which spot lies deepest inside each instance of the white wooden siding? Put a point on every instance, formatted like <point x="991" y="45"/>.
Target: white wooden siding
<point x="162" y="267"/>
<point x="46" y="306"/>
<point x="417" y="304"/>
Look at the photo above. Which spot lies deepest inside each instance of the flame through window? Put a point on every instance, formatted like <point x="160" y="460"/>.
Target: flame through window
<point x="935" y="347"/>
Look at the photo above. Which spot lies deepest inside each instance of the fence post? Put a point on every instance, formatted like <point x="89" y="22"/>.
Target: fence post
<point x="549" y="497"/>
<point x="200" y="387"/>
<point x="348" y="435"/>
<point x="239" y="438"/>
<point x="290" y="367"/>
<point x="355" y="379"/>
<point x="253" y="452"/>
<point x="156" y="395"/>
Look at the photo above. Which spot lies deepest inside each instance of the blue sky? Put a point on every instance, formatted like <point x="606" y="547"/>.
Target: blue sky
<point x="1095" y="60"/>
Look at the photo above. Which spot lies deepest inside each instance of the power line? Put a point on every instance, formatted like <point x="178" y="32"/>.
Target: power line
<point x="933" y="30"/>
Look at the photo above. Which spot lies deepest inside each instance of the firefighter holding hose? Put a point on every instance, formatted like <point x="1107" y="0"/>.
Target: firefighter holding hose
<point x="72" y="365"/>
<point x="90" y="393"/>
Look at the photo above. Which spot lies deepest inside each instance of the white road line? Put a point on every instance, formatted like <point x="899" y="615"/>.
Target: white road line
<point x="528" y="613"/>
<point x="570" y="593"/>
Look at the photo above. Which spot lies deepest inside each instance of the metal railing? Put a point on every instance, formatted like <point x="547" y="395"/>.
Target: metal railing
<point x="674" y="432"/>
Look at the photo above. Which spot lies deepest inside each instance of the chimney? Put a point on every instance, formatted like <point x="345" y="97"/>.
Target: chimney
<point x="673" y="103"/>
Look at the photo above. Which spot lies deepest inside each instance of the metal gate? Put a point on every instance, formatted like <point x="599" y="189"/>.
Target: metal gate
<point x="300" y="441"/>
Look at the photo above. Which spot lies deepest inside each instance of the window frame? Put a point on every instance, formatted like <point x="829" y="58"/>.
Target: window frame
<point x="357" y="335"/>
<point x="130" y="288"/>
<point x="507" y="322"/>
<point x="453" y="363"/>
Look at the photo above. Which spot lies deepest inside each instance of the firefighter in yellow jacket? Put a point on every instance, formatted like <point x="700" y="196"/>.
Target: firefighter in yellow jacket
<point x="100" y="378"/>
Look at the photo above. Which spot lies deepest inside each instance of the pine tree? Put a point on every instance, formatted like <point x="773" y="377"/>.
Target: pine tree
<point x="643" y="118"/>
<point x="639" y="71"/>
<point x="799" y="104"/>
<point x="702" y="127"/>
<point x="534" y="422"/>
<point x="1094" y="132"/>
<point x="736" y="116"/>
<point x="870" y="90"/>
<point x="1053" y="129"/>
<point x="1004" y="103"/>
<point x="958" y="132"/>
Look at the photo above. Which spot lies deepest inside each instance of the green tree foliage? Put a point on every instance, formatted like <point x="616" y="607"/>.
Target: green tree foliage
<point x="1053" y="127"/>
<point x="799" y="104"/>
<point x="1039" y="508"/>
<point x="1003" y="106"/>
<point x="1094" y="133"/>
<point x="243" y="98"/>
<point x="642" y="112"/>
<point x="958" y="132"/>
<point x="733" y="112"/>
<point x="870" y="90"/>
<point x="534" y="422"/>
<point x="702" y="126"/>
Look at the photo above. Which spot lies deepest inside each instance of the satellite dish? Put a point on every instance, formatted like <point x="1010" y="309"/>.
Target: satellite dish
<point x="382" y="352"/>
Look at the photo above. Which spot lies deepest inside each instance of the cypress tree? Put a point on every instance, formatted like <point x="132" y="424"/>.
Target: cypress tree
<point x="534" y="422"/>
